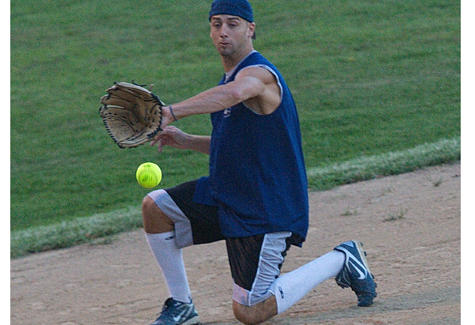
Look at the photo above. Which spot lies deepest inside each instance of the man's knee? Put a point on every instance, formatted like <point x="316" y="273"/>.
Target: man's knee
<point x="154" y="220"/>
<point x="255" y="314"/>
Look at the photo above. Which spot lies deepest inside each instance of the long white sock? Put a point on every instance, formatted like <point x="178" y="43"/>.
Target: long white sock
<point x="293" y="286"/>
<point x="170" y="259"/>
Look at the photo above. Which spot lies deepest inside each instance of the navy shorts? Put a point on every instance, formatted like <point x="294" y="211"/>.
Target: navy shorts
<point x="255" y="261"/>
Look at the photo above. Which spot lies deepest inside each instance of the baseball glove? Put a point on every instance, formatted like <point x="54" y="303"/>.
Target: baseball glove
<point x="131" y="114"/>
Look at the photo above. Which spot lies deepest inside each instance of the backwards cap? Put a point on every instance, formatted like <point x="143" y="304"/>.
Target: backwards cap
<point x="240" y="8"/>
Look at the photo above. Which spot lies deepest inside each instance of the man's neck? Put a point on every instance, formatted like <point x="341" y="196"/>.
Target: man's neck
<point x="229" y="73"/>
<point x="231" y="61"/>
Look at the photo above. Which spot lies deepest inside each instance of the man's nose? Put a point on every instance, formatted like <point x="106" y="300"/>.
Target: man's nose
<point x="224" y="31"/>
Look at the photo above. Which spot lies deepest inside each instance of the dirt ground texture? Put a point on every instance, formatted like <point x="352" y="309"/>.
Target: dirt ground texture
<point x="409" y="225"/>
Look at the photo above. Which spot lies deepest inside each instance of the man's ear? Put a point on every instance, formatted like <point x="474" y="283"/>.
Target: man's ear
<point x="252" y="30"/>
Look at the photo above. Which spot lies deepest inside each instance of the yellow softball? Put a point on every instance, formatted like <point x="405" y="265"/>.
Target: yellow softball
<point x="149" y="175"/>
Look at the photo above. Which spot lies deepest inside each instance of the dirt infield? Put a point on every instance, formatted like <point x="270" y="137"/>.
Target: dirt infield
<point x="409" y="224"/>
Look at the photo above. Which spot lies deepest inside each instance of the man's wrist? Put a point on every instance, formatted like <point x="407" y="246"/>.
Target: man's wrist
<point x="171" y="111"/>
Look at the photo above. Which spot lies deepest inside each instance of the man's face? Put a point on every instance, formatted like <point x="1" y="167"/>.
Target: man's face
<point x="230" y="34"/>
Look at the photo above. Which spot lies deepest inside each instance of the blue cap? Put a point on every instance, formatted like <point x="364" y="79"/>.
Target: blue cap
<point x="240" y="8"/>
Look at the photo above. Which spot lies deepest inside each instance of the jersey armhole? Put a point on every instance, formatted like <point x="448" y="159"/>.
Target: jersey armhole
<point x="276" y="78"/>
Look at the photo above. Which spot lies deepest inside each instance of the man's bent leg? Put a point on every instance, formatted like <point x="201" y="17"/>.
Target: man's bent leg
<point x="290" y="288"/>
<point x="255" y="314"/>
<point x="154" y="220"/>
<point x="161" y="239"/>
<point x="255" y="264"/>
<point x="293" y="286"/>
<point x="251" y="304"/>
<point x="168" y="216"/>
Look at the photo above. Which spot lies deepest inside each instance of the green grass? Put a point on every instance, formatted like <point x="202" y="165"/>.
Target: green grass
<point x="392" y="163"/>
<point x="369" y="78"/>
<point x="91" y="229"/>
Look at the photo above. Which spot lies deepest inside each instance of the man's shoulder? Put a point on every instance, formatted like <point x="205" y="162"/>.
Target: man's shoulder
<point x="254" y="57"/>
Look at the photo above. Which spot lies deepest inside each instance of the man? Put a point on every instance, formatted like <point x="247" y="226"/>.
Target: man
<point x="255" y="197"/>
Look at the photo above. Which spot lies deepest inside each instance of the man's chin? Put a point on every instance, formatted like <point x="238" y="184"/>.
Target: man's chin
<point x="225" y="52"/>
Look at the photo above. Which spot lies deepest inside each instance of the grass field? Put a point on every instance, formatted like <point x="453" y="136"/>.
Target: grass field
<point x="369" y="78"/>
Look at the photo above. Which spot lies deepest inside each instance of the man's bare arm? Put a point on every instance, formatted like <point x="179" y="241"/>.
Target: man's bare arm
<point x="251" y="83"/>
<point x="255" y="86"/>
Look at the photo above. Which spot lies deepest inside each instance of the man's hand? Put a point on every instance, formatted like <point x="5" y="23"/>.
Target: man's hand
<point x="171" y="136"/>
<point x="176" y="138"/>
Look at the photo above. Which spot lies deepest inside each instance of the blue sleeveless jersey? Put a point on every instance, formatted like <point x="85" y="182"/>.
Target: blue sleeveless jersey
<point x="257" y="173"/>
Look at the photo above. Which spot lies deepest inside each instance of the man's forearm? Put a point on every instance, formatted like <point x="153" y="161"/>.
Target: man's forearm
<point x="199" y="143"/>
<point x="210" y="101"/>
<point x="218" y="98"/>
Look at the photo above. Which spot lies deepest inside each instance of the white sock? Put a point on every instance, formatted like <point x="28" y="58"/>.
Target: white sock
<point x="170" y="259"/>
<point x="293" y="286"/>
